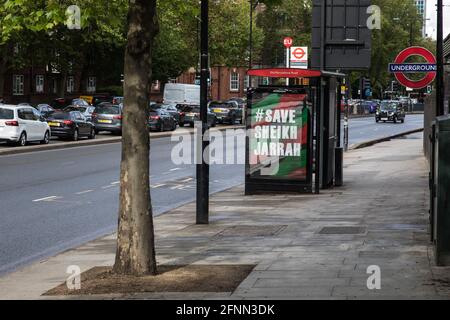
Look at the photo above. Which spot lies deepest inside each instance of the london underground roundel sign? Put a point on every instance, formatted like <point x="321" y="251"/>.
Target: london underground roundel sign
<point x="400" y="68"/>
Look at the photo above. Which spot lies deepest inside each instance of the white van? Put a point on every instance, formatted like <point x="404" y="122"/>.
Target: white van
<point x="179" y="93"/>
<point x="20" y="124"/>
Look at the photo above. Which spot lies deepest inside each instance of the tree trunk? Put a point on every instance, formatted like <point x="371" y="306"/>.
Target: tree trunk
<point x="135" y="238"/>
<point x="62" y="85"/>
<point x="3" y="67"/>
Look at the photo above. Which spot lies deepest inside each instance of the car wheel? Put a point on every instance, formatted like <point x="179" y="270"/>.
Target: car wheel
<point x="46" y="139"/>
<point x="161" y="128"/>
<point x="23" y="140"/>
<point x="181" y="124"/>
<point x="376" y="120"/>
<point x="92" y="135"/>
<point x="75" y="135"/>
<point x="96" y="131"/>
<point x="395" y="120"/>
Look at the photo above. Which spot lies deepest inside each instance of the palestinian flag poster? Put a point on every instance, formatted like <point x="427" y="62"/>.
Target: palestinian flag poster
<point x="278" y="137"/>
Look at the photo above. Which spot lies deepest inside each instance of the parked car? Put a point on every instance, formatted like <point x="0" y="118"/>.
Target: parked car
<point x="390" y="111"/>
<point x="108" y="117"/>
<point x="242" y="102"/>
<point x="21" y="124"/>
<point x="117" y="100"/>
<point x="95" y="100"/>
<point x="172" y="109"/>
<point x="71" y="125"/>
<point x="86" y="111"/>
<point x="61" y="103"/>
<point x="226" y="112"/>
<point x="161" y="120"/>
<point x="192" y="114"/>
<point x="45" y="110"/>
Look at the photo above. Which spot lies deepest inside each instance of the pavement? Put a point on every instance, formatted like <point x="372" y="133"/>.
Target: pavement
<point x="303" y="246"/>
<point x="67" y="196"/>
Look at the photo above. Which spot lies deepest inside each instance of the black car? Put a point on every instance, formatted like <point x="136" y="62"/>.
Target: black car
<point x="45" y="110"/>
<point x="172" y="109"/>
<point x="160" y="120"/>
<point x="390" y="111"/>
<point x="192" y="114"/>
<point x="71" y="125"/>
<point x="227" y="111"/>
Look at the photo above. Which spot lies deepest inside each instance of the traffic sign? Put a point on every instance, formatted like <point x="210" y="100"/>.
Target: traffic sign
<point x="400" y="68"/>
<point x="299" y="57"/>
<point x="288" y="41"/>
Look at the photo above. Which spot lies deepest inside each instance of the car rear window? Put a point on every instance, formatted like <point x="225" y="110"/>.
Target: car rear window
<point x="6" y="114"/>
<point x="107" y="109"/>
<point x="61" y="116"/>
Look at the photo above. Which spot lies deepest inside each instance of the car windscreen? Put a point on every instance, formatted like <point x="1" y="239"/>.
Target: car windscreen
<point x="153" y="113"/>
<point x="6" y="114"/>
<point x="107" y="109"/>
<point x="388" y="106"/>
<point x="61" y="116"/>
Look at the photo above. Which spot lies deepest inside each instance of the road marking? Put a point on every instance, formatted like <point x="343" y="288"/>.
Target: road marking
<point x="158" y="185"/>
<point x="187" y="180"/>
<point x="84" y="192"/>
<point x="115" y="182"/>
<point x="109" y="186"/>
<point x="47" y="199"/>
<point x="175" y="169"/>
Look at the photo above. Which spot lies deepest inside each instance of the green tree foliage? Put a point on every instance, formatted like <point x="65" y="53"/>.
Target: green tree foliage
<point x="401" y="26"/>
<point x="281" y="19"/>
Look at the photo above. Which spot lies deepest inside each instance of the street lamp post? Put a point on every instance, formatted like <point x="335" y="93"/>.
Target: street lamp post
<point x="202" y="216"/>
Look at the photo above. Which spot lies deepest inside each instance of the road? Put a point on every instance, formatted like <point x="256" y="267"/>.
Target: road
<point x="364" y="129"/>
<point x="54" y="200"/>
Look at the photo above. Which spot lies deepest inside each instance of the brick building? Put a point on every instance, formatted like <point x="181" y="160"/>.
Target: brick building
<point x="38" y="85"/>
<point x="227" y="82"/>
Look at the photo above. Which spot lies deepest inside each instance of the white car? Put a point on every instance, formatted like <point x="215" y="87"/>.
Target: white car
<point x="22" y="124"/>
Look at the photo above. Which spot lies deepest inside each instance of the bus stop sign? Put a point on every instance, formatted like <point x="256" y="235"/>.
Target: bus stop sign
<point x="400" y="68"/>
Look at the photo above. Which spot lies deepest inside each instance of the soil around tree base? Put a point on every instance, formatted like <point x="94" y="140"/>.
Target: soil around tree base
<point x="186" y="278"/>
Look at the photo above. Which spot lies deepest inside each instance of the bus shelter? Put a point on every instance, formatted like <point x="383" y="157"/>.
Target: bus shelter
<point x="293" y="131"/>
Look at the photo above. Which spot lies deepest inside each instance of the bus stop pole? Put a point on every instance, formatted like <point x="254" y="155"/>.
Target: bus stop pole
<point x="202" y="216"/>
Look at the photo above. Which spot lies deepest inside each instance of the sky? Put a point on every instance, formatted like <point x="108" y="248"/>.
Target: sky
<point x="431" y="14"/>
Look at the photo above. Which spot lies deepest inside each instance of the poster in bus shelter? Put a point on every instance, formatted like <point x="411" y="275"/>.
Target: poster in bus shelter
<point x="278" y="141"/>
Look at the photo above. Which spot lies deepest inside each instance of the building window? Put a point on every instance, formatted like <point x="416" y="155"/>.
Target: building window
<point x="246" y="82"/>
<point x="234" y="81"/>
<point x="18" y="81"/>
<point x="70" y="84"/>
<point x="54" y="86"/>
<point x="39" y="83"/>
<point x="91" y="84"/>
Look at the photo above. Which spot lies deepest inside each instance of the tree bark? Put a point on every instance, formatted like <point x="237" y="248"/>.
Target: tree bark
<point x="3" y="67"/>
<point x="135" y="239"/>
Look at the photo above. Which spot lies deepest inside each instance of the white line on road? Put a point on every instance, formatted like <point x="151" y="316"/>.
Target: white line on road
<point x="47" y="199"/>
<point x="175" y="169"/>
<point x="109" y="186"/>
<point x="84" y="192"/>
<point x="158" y="185"/>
